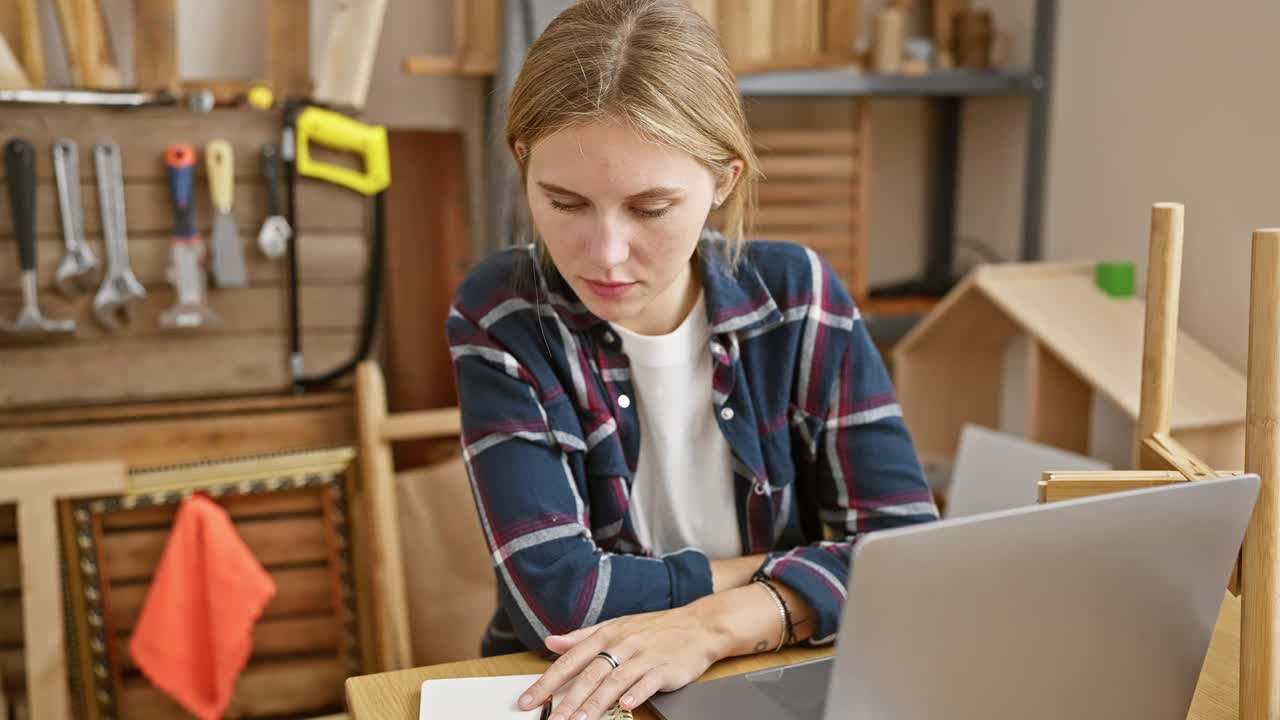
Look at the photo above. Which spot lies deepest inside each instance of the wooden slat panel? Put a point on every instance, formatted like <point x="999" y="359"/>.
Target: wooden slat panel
<point x="132" y="555"/>
<point x="299" y="591"/>
<point x="168" y="441"/>
<point x="806" y="216"/>
<point x="239" y="507"/>
<point x="746" y="30"/>
<point x="797" y="192"/>
<point x="809" y="166"/>
<point x="145" y="369"/>
<point x="322" y="260"/>
<point x="10" y="618"/>
<point x="815" y="140"/>
<point x="826" y="242"/>
<point x="278" y="688"/>
<point x="142" y="152"/>
<point x="10" y="577"/>
<point x="245" y="310"/>
<point x="322" y="208"/>
<point x="271" y="638"/>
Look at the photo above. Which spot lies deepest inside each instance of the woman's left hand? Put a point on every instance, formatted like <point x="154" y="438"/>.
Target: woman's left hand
<point x="658" y="651"/>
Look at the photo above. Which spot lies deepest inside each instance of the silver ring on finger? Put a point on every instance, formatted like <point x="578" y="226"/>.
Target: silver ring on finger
<point x="609" y="658"/>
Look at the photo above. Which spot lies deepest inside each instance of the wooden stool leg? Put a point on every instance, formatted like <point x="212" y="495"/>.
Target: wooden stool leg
<point x="1259" y="671"/>
<point x="1164" y="273"/>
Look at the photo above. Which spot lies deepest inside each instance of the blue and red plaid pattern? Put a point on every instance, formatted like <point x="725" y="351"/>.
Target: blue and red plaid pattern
<point x="821" y="454"/>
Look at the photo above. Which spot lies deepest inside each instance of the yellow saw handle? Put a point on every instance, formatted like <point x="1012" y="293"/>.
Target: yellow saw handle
<point x="340" y="132"/>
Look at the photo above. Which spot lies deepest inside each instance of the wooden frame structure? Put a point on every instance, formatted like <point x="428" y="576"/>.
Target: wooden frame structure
<point x="378" y="429"/>
<point x="1162" y="460"/>
<point x="950" y="369"/>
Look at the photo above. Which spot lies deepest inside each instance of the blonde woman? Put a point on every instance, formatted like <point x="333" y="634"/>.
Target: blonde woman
<point x="674" y="436"/>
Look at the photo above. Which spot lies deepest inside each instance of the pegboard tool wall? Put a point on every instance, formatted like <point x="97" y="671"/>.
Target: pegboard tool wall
<point x="248" y="353"/>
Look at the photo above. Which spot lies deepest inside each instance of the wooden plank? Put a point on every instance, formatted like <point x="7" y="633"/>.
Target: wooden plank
<point x="32" y="43"/>
<point x="272" y="638"/>
<point x="254" y="310"/>
<point x="144" y="369"/>
<point x="155" y="49"/>
<point x="299" y="591"/>
<point x="239" y="507"/>
<point x="10" y="571"/>
<point x="12" y="76"/>
<point x="89" y="42"/>
<point x="327" y="260"/>
<point x="806" y="216"/>
<point x="809" y="166"/>
<point x="1058" y="402"/>
<point x="1055" y="490"/>
<point x="288" y="47"/>
<point x="322" y="207"/>
<point x="427" y="199"/>
<point x="798" y="192"/>
<point x="169" y="441"/>
<point x="795" y="29"/>
<point x="840" y="27"/>
<point x="818" y="140"/>
<point x="477" y="34"/>
<point x="746" y="31"/>
<point x="134" y="554"/>
<point x="298" y="687"/>
<point x="123" y="412"/>
<point x="1100" y="338"/>
<point x="352" y="46"/>
<point x="10" y="619"/>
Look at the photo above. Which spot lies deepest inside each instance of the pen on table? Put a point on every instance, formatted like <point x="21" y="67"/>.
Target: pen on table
<point x="546" y="710"/>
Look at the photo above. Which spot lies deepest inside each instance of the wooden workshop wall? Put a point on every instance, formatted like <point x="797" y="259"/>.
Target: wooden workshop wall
<point x="247" y="354"/>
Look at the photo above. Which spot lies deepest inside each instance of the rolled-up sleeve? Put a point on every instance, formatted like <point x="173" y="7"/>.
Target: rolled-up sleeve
<point x="552" y="577"/>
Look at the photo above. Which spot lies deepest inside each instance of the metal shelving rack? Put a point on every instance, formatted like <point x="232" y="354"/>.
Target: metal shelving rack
<point x="945" y="90"/>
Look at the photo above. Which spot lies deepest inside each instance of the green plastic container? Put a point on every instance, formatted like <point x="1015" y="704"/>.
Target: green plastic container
<point x="1115" y="278"/>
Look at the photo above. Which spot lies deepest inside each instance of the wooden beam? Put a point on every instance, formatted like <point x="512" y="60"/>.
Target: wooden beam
<point x="1160" y="333"/>
<point x="288" y="47"/>
<point x="386" y="565"/>
<point x="36" y="490"/>
<point x="155" y="48"/>
<point x="422" y="424"/>
<point x="349" y="53"/>
<point x="1056" y="486"/>
<point x="1259" y="665"/>
<point x="12" y="77"/>
<point x="1173" y="454"/>
<point x="88" y="42"/>
<point x="32" y="42"/>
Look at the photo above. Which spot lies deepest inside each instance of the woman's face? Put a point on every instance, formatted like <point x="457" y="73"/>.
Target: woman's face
<point x="621" y="217"/>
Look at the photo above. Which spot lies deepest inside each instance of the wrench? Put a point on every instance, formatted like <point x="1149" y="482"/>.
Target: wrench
<point x="79" y="270"/>
<point x="120" y="292"/>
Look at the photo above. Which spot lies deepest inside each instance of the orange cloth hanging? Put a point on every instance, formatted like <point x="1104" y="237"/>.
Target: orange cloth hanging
<point x="195" y="632"/>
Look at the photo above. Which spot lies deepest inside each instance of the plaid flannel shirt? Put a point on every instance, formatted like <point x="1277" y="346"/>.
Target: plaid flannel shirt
<point x="821" y="454"/>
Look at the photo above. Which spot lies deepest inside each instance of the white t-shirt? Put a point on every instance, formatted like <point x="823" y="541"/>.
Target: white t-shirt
<point x="683" y="490"/>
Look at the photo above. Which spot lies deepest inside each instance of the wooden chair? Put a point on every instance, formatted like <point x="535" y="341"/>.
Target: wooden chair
<point x="433" y="580"/>
<point x="1162" y="460"/>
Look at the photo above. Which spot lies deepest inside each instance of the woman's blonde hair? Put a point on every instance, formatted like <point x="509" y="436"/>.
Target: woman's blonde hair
<point x="655" y="64"/>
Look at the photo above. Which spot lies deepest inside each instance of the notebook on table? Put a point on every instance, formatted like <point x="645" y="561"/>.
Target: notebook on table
<point x="483" y="698"/>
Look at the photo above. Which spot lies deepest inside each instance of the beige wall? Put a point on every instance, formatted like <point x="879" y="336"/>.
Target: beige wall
<point x="1153" y="100"/>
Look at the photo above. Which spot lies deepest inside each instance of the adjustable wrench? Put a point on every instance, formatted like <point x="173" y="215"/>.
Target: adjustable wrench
<point x="120" y="292"/>
<point x="79" y="270"/>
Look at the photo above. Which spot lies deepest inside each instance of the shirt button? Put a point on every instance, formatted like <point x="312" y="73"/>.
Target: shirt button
<point x="726" y="413"/>
<point x="609" y="337"/>
<point x="624" y="402"/>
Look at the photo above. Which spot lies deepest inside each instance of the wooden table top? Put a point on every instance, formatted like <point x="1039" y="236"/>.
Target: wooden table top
<point x="394" y="695"/>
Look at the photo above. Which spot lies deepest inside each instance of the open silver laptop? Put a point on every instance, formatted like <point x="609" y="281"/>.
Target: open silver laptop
<point x="1097" y="608"/>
